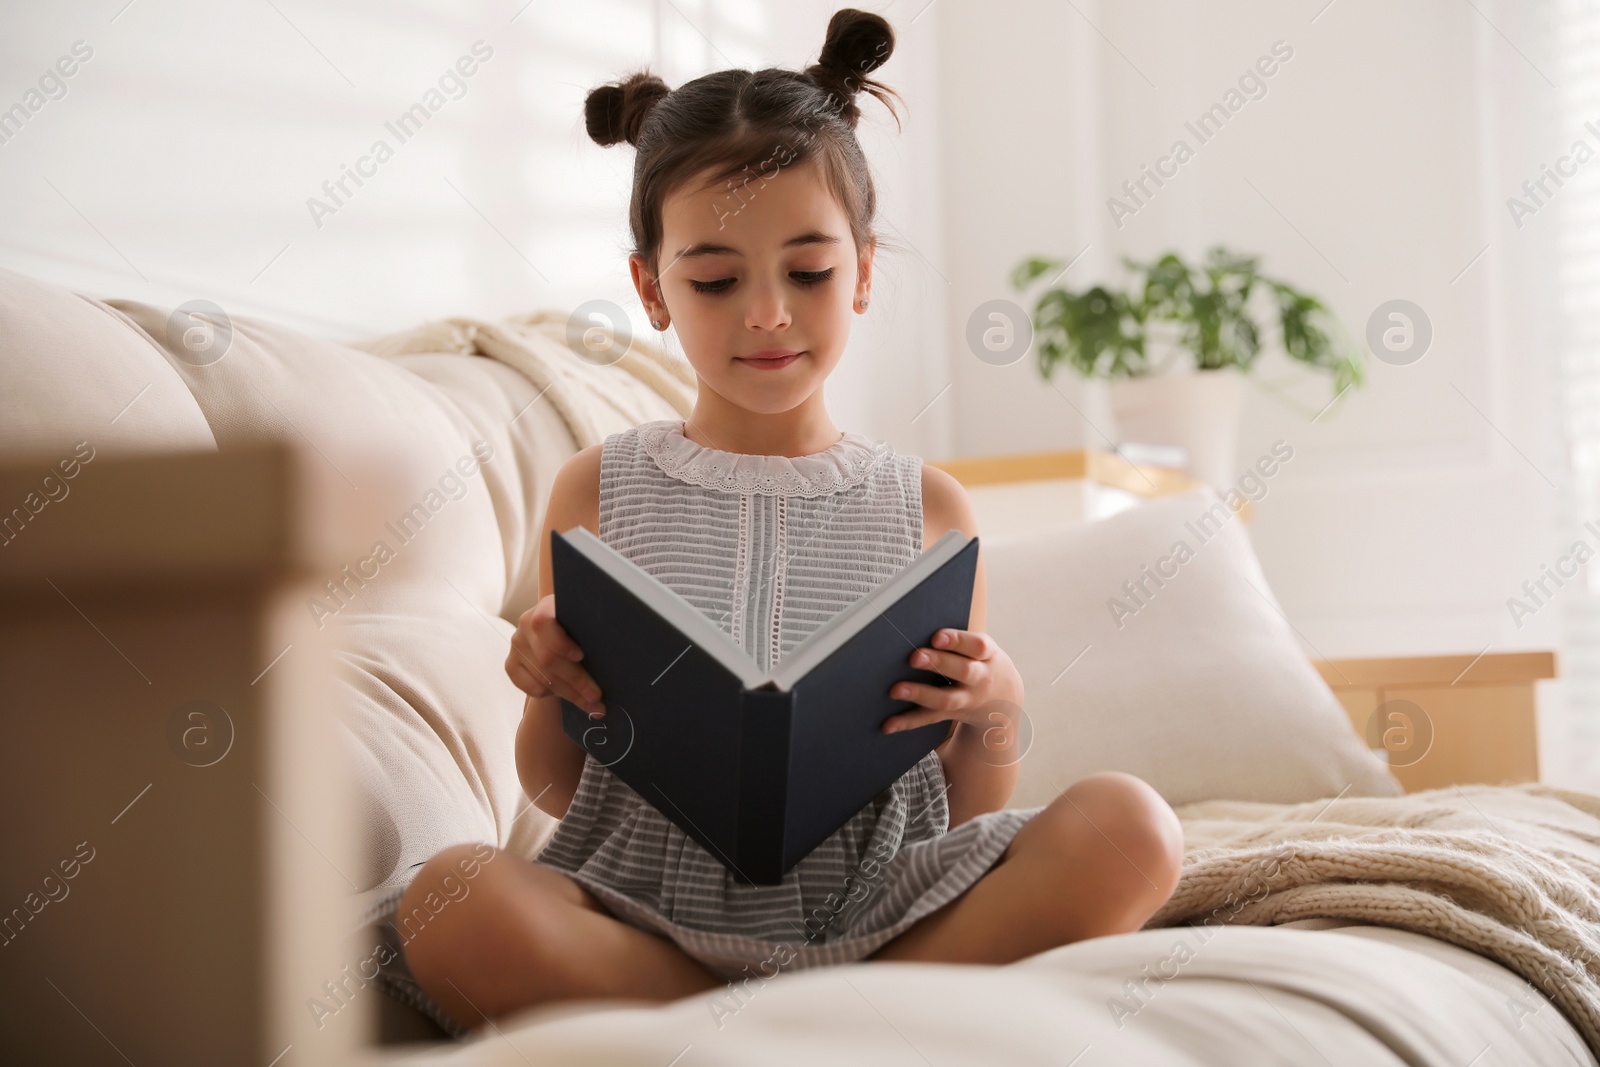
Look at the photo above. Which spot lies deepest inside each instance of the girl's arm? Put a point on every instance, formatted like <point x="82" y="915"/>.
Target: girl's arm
<point x="980" y="757"/>
<point x="548" y="763"/>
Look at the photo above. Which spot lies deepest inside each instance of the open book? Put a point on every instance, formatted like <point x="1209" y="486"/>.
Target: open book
<point x="759" y="768"/>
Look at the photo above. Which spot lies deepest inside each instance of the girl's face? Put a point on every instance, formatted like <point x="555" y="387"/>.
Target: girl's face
<point x="767" y="266"/>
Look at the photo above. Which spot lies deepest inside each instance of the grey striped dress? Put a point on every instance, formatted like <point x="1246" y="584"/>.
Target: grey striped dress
<point x="770" y="547"/>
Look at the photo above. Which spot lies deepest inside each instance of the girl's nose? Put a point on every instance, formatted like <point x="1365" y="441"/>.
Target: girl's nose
<point x="767" y="310"/>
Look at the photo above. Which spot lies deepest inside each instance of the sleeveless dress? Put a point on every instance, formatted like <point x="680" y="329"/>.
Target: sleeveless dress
<point x="770" y="548"/>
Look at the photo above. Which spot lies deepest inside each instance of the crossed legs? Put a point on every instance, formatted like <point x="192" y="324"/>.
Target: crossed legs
<point x="523" y="934"/>
<point x="1100" y="859"/>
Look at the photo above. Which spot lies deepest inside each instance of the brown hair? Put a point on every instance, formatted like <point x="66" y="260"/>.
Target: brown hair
<point x="748" y="125"/>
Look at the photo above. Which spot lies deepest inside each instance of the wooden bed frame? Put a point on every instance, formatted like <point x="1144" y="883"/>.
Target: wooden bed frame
<point x="1437" y="720"/>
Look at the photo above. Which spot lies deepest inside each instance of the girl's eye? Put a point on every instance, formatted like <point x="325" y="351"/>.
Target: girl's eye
<point x="803" y="277"/>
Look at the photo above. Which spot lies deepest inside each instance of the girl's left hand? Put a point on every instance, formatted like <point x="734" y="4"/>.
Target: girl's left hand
<point x="981" y="671"/>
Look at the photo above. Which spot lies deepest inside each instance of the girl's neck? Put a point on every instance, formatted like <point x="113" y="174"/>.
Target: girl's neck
<point x="799" y="431"/>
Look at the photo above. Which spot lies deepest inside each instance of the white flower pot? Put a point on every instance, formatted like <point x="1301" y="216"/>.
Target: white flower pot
<point x="1197" y="409"/>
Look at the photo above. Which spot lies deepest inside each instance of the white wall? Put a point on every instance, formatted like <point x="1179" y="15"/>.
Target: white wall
<point x="180" y="162"/>
<point x="1376" y="166"/>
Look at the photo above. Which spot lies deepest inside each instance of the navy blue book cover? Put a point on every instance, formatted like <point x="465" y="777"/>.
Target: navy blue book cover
<point x="758" y="777"/>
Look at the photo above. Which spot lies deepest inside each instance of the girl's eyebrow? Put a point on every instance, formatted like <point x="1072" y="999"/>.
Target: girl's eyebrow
<point x="705" y="248"/>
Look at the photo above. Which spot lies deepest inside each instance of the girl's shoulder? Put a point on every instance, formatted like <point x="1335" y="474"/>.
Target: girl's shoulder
<point x="575" y="490"/>
<point x="945" y="504"/>
<point x="574" y="500"/>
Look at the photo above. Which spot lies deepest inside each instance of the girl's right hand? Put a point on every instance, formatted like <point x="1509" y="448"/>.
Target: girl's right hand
<point x="543" y="659"/>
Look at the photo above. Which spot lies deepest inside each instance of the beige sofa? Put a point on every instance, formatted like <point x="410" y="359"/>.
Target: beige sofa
<point x="437" y="614"/>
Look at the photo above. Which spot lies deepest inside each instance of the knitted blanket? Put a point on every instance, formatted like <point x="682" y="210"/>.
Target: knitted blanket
<point x="539" y="347"/>
<point x="1512" y="873"/>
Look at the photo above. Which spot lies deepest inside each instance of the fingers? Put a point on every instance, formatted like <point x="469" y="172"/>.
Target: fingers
<point x="541" y="624"/>
<point x="940" y="698"/>
<point x="556" y="637"/>
<point x="952" y="665"/>
<point x="974" y="644"/>
<point x="526" y="674"/>
<point x="542" y="660"/>
<point x="910" y="720"/>
<point x="568" y="680"/>
<point x="585" y="694"/>
<point x="963" y="657"/>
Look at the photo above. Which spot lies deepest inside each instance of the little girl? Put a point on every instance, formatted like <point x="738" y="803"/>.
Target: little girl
<point x="752" y="211"/>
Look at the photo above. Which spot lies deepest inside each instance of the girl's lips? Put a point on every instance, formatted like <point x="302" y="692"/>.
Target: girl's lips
<point x="771" y="364"/>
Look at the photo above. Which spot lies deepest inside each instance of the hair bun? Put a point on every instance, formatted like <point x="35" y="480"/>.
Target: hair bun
<point x="616" y="112"/>
<point x="857" y="43"/>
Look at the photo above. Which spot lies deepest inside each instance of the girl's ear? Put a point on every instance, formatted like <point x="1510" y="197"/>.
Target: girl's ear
<point x="649" y="289"/>
<point x="864" y="274"/>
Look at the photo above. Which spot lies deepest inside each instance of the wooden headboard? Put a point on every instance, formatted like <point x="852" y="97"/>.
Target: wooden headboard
<point x="1437" y="720"/>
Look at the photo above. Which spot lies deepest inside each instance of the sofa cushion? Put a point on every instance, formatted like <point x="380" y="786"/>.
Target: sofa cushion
<point x="275" y="382"/>
<point x="74" y="369"/>
<point x="496" y="404"/>
<point x="431" y="714"/>
<point x="523" y="383"/>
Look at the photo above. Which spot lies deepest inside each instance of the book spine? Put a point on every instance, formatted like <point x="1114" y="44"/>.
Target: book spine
<point x="765" y="716"/>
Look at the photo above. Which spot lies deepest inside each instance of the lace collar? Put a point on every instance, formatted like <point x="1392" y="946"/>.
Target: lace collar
<point x="843" y="464"/>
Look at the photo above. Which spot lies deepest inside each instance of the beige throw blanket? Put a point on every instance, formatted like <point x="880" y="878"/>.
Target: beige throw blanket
<point x="537" y="346"/>
<point x="1512" y="873"/>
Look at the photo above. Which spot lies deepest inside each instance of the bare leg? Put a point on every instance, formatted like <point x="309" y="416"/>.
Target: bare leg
<point x="1100" y="859"/>
<point x="522" y="934"/>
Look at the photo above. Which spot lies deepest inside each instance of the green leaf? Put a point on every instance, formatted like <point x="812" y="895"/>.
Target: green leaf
<point x="1102" y="332"/>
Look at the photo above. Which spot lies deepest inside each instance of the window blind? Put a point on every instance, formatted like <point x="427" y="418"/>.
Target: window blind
<point x="1577" y="41"/>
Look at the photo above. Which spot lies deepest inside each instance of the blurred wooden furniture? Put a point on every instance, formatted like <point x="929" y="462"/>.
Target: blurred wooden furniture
<point x="180" y="842"/>
<point x="1444" y="720"/>
<point x="1436" y="720"/>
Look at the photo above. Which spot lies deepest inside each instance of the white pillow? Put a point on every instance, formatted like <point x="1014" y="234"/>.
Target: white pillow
<point x="1196" y="683"/>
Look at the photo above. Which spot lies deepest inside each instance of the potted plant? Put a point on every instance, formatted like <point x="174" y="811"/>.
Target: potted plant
<point x="1212" y="314"/>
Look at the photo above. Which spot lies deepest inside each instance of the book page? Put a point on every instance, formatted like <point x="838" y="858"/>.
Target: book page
<point x="837" y="631"/>
<point x="667" y="603"/>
